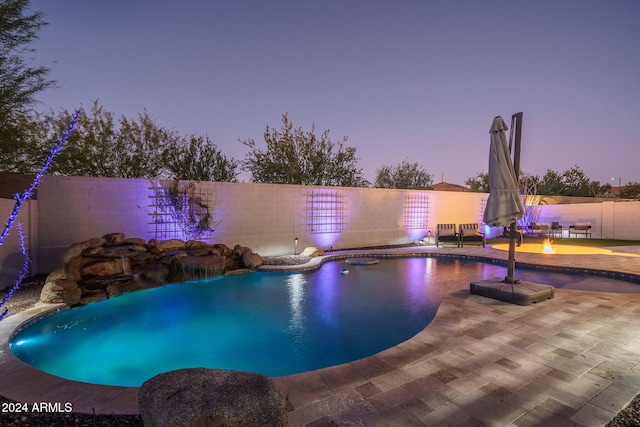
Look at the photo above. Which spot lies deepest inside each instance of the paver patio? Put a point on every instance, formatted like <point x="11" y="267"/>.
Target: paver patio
<point x="571" y="360"/>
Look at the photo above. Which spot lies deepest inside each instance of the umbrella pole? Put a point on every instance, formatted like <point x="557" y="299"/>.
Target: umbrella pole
<point x="511" y="263"/>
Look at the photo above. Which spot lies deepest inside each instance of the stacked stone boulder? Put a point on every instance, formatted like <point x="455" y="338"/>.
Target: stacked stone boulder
<point x="109" y="265"/>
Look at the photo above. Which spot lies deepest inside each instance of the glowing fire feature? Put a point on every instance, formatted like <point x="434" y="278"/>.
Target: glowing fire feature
<point x="547" y="248"/>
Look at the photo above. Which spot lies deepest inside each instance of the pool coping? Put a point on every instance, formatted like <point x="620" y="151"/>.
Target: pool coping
<point x="26" y="384"/>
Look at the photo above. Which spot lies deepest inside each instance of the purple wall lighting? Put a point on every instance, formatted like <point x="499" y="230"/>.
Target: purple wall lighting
<point x="489" y="232"/>
<point x="416" y="215"/>
<point x="325" y="215"/>
<point x="182" y="210"/>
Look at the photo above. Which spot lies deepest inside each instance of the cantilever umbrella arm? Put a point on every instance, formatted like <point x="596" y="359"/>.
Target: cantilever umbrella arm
<point x="513" y="231"/>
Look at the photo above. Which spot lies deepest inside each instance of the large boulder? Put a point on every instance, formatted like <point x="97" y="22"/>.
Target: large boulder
<point x="239" y="251"/>
<point x="58" y="291"/>
<point x="121" y="251"/>
<point x="197" y="244"/>
<point x="109" y="265"/>
<point x="135" y="241"/>
<point x="223" y="250"/>
<point x="312" y="251"/>
<point x="89" y="297"/>
<point x="76" y="250"/>
<point x="251" y="260"/>
<point x="171" y="245"/>
<point x="211" y="397"/>
<point x="58" y="273"/>
<point x="191" y="267"/>
<point x="105" y="267"/>
<point x="156" y="272"/>
<point x="153" y="246"/>
<point x="102" y="282"/>
<point x="113" y="239"/>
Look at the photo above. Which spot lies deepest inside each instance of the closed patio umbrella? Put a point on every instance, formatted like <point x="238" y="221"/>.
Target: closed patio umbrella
<point x="503" y="206"/>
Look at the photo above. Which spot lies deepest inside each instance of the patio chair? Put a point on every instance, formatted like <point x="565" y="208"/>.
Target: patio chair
<point x="540" y="229"/>
<point x="580" y="230"/>
<point x="556" y="230"/>
<point x="446" y="233"/>
<point x="471" y="233"/>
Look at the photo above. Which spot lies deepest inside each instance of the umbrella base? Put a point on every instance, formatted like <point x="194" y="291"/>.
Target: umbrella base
<point x="521" y="293"/>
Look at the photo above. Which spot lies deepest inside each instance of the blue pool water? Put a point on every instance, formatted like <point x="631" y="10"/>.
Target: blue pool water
<point x="270" y="323"/>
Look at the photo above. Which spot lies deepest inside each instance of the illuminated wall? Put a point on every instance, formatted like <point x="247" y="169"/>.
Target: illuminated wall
<point x="265" y="217"/>
<point x="416" y="215"/>
<point x="325" y="215"/>
<point x="268" y="217"/>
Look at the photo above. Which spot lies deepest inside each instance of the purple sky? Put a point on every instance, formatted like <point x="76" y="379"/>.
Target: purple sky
<point x="416" y="80"/>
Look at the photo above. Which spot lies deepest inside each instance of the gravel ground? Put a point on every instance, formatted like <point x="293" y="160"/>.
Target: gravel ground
<point x="29" y="293"/>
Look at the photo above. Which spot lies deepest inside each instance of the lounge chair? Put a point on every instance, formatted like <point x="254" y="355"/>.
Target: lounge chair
<point x="446" y="233"/>
<point x="580" y="230"/>
<point x="471" y="233"/>
<point x="540" y="229"/>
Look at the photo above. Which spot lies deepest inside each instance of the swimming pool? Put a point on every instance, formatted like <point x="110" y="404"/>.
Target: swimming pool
<point x="271" y="323"/>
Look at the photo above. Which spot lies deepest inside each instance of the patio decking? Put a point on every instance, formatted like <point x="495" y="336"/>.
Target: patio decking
<point x="572" y="360"/>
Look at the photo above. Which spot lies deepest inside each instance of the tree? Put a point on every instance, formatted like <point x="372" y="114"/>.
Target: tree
<point x="479" y="183"/>
<point x="198" y="159"/>
<point x="576" y="183"/>
<point x="551" y="184"/>
<point x="404" y="175"/>
<point x="630" y="191"/>
<point x="128" y="148"/>
<point x="293" y="156"/>
<point x="19" y="83"/>
<point x="572" y="182"/>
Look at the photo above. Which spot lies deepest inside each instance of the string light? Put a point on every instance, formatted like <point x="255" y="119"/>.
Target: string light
<point x="20" y="198"/>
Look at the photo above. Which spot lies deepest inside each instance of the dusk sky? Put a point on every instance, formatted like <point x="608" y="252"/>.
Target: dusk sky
<point x="414" y="80"/>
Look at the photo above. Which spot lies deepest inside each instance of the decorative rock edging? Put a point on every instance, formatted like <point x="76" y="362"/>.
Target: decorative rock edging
<point x="109" y="265"/>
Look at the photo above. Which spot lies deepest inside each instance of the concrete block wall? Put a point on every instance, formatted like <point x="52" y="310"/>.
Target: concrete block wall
<point x="254" y="215"/>
<point x="268" y="217"/>
<point x="609" y="220"/>
<point x="626" y="221"/>
<point x="74" y="209"/>
<point x="568" y="215"/>
<point x="265" y="217"/>
<point x="11" y="258"/>
<point x="457" y="208"/>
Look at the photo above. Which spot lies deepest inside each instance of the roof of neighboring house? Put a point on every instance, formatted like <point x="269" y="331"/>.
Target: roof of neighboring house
<point x="615" y="191"/>
<point x="445" y="186"/>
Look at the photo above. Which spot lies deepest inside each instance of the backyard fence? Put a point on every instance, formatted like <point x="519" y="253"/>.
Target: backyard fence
<point x="266" y="217"/>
